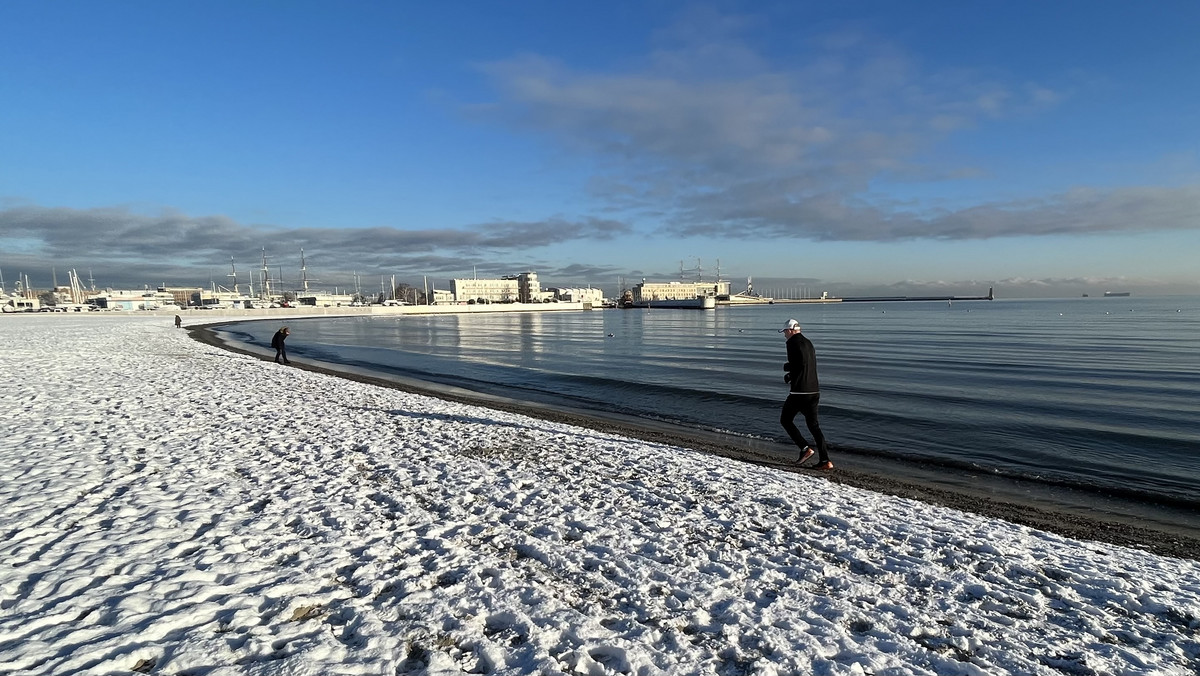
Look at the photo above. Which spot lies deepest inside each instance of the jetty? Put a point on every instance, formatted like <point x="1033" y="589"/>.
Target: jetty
<point x="893" y="299"/>
<point x="826" y="298"/>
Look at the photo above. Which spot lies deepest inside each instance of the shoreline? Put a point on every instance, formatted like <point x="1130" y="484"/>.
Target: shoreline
<point x="1010" y="507"/>
<point x="171" y="505"/>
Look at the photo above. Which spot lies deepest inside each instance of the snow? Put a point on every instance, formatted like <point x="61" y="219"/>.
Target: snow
<point x="173" y="508"/>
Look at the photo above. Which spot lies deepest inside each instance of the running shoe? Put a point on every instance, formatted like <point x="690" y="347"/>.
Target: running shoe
<point x="805" y="455"/>
<point x="823" y="465"/>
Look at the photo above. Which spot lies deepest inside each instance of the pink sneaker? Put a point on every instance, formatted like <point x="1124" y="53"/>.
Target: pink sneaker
<point x="805" y="455"/>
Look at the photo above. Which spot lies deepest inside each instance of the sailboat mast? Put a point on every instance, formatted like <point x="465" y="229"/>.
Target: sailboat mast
<point x="265" y="285"/>
<point x="303" y="272"/>
<point x="233" y="275"/>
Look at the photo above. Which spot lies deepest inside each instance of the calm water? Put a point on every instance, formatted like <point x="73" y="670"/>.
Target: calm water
<point x="1093" y="393"/>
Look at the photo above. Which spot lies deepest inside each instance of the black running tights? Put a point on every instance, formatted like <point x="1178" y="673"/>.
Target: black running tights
<point x="807" y="405"/>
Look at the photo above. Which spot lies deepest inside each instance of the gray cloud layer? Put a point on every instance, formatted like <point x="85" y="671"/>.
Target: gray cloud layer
<point x="122" y="244"/>
<point x="828" y="218"/>
<point x="708" y="139"/>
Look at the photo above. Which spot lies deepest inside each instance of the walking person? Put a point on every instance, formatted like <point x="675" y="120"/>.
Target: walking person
<point x="803" y="396"/>
<point x="277" y="343"/>
<point x="178" y="322"/>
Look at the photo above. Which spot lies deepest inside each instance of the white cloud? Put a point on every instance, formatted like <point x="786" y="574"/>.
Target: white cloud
<point x="794" y="151"/>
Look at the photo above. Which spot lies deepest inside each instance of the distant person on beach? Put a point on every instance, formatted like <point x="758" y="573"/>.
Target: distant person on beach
<point x="277" y="343"/>
<point x="800" y="372"/>
<point x="178" y="322"/>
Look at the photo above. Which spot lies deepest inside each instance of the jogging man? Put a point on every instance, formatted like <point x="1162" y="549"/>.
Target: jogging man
<point x="800" y="372"/>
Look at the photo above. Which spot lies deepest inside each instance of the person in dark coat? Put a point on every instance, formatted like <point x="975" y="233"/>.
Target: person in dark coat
<point x="277" y="343"/>
<point x="178" y="322"/>
<point x="800" y="372"/>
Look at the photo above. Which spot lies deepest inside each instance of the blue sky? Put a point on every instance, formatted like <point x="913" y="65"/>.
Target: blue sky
<point x="856" y="147"/>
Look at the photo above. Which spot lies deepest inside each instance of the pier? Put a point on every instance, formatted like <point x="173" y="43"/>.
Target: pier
<point x="892" y="299"/>
<point x="867" y="299"/>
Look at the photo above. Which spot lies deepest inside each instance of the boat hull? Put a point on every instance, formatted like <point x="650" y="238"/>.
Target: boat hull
<point x="704" y="303"/>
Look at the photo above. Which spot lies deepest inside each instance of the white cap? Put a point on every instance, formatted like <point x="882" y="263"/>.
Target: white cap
<point x="792" y="325"/>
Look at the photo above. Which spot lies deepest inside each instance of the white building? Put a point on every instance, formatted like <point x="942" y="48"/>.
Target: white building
<point x="491" y="290"/>
<point x="132" y="299"/>
<point x="182" y="294"/>
<point x="521" y="288"/>
<point x="579" y="295"/>
<point x="307" y="298"/>
<point x="528" y="288"/>
<point x="648" y="291"/>
<point x="222" y="298"/>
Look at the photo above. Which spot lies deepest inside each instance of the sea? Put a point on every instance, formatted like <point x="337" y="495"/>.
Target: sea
<point x="1095" y="398"/>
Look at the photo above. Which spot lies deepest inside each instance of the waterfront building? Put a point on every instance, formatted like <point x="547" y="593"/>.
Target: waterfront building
<point x="181" y="295"/>
<point x="651" y="291"/>
<point x="578" y="295"/>
<point x="132" y="299"/>
<point x="529" y="290"/>
<point x="491" y="290"/>
<point x="520" y="288"/>
<point x="221" y="298"/>
<point x="324" y="299"/>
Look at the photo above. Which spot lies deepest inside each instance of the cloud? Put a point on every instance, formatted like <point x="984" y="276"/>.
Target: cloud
<point x="708" y="138"/>
<point x="716" y="112"/>
<point x="120" y="242"/>
<point x="769" y="213"/>
<point x="580" y="271"/>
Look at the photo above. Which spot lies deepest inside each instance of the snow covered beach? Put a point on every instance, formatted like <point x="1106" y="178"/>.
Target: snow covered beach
<point x="173" y="508"/>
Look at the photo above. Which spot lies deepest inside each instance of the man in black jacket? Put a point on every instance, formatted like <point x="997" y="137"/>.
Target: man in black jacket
<point x="805" y="393"/>
<point x="277" y="343"/>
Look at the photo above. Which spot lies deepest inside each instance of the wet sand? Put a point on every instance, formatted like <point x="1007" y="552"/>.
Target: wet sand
<point x="1014" y="504"/>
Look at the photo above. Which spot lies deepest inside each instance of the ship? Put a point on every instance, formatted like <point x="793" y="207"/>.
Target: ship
<point x="1114" y="294"/>
<point x="747" y="297"/>
<point x="676" y="295"/>
<point x="697" y="303"/>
